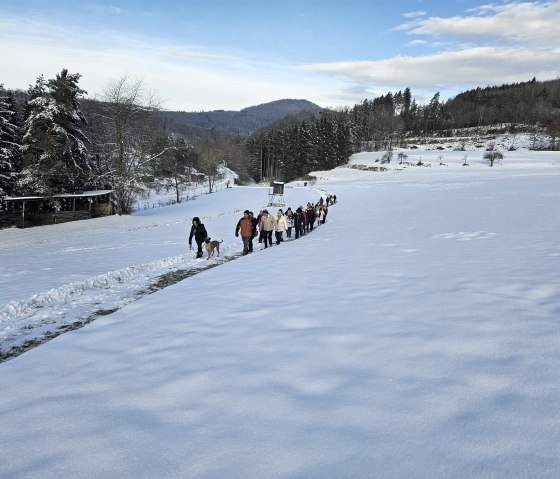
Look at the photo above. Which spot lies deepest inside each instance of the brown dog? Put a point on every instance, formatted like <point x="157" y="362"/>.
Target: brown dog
<point x="211" y="246"/>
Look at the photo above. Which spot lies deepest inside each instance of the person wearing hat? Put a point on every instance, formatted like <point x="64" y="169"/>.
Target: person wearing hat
<point x="198" y="231"/>
<point x="245" y="226"/>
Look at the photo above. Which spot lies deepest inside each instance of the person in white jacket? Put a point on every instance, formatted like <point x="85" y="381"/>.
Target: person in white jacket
<point x="280" y="225"/>
<point x="266" y="225"/>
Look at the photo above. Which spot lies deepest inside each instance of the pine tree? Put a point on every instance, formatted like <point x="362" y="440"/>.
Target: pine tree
<point x="54" y="146"/>
<point x="406" y="110"/>
<point x="10" y="142"/>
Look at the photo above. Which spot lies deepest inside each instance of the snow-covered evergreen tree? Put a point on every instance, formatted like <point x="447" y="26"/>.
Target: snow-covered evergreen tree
<point x="10" y="141"/>
<point x="54" y="146"/>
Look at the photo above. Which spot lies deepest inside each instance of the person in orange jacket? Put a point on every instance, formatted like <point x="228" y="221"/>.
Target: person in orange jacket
<point x="245" y="226"/>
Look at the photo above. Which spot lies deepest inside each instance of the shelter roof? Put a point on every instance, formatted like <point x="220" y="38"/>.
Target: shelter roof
<point x="83" y="194"/>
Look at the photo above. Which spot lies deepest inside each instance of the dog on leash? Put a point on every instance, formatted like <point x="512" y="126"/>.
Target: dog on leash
<point x="212" y="245"/>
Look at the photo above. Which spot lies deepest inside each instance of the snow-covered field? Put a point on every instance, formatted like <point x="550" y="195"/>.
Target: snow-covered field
<point x="415" y="334"/>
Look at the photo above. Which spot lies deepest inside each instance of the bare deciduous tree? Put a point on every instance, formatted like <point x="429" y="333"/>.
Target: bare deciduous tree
<point x="493" y="155"/>
<point x="130" y="127"/>
<point x="553" y="130"/>
<point x="211" y="157"/>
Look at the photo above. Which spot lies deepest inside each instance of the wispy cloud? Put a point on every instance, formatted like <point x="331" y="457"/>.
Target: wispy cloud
<point x="414" y="14"/>
<point x="188" y="77"/>
<point x="417" y="42"/>
<point x="528" y="23"/>
<point x="194" y="53"/>
<point x="498" y="44"/>
<point x="471" y="66"/>
<point x="490" y="45"/>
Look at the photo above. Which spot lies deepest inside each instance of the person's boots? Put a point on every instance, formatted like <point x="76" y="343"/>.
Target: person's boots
<point x="198" y="255"/>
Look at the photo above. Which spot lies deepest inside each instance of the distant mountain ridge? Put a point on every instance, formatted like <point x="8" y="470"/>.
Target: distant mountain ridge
<point x="242" y="122"/>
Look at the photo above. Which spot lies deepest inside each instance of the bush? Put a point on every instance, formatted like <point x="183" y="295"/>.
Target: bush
<point x="387" y="157"/>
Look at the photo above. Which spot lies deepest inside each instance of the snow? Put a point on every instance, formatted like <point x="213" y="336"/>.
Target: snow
<point x="415" y="334"/>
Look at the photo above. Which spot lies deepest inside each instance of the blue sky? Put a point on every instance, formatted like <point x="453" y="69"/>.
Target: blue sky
<point x="206" y="55"/>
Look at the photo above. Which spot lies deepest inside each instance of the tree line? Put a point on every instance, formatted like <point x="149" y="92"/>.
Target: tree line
<point x="397" y="115"/>
<point x="53" y="140"/>
<point x="292" y="147"/>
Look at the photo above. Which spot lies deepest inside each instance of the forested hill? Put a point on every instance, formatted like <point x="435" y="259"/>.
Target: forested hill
<point x="243" y="122"/>
<point x="518" y="103"/>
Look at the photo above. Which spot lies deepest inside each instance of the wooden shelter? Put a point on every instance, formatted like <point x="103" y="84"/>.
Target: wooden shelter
<point x="24" y="211"/>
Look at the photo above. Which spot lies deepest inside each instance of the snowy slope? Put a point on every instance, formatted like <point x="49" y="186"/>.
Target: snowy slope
<point x="414" y="335"/>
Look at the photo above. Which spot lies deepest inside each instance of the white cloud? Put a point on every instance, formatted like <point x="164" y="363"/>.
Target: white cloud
<point x="450" y="70"/>
<point x="499" y="44"/>
<point x="188" y="78"/>
<point x="193" y="53"/>
<point x="414" y="14"/>
<point x="417" y="42"/>
<point x="527" y="23"/>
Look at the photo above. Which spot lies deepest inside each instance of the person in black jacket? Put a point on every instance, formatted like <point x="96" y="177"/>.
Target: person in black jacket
<point x="199" y="232"/>
<point x="255" y="223"/>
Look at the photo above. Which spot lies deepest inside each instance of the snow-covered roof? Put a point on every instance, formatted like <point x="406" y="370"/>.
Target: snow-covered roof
<point x="23" y="198"/>
<point x="84" y="194"/>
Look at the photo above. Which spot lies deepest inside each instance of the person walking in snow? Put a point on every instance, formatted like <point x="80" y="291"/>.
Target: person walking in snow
<point x="245" y="226"/>
<point x="303" y="221"/>
<point x="280" y="226"/>
<point x="321" y="215"/>
<point x="267" y="227"/>
<point x="310" y="212"/>
<point x="325" y="211"/>
<point x="258" y="218"/>
<point x="289" y="222"/>
<point x="198" y="231"/>
<point x="298" y="222"/>
<point x="255" y="224"/>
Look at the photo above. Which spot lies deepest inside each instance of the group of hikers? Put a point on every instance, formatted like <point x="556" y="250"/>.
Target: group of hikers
<point x="298" y="222"/>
